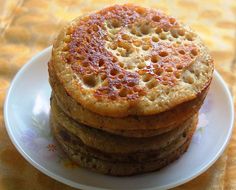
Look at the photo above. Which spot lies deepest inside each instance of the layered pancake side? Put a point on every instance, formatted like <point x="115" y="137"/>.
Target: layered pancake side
<point x="111" y="143"/>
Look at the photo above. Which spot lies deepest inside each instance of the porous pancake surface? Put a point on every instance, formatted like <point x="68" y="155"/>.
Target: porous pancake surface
<point x="130" y="126"/>
<point x="127" y="60"/>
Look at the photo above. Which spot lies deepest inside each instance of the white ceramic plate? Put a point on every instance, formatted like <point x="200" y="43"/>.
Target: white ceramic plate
<point x="26" y="114"/>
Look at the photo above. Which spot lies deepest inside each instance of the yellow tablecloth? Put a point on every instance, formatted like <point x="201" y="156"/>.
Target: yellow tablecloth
<point x="28" y="26"/>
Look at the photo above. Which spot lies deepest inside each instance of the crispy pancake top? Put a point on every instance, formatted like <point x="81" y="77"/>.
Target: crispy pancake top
<point x="129" y="60"/>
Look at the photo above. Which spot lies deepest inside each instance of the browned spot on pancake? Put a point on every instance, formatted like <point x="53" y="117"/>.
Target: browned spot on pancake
<point x="92" y="61"/>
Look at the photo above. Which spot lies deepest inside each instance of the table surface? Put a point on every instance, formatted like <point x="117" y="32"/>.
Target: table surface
<point x="28" y="26"/>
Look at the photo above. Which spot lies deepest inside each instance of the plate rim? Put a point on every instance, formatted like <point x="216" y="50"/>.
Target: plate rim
<point x="78" y="185"/>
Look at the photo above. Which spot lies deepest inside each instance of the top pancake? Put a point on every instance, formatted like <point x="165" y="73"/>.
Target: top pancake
<point x="128" y="60"/>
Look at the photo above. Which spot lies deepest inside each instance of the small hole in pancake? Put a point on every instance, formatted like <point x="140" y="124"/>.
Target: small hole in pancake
<point x="165" y="29"/>
<point x="87" y="40"/>
<point x="114" y="59"/>
<point x="120" y="76"/>
<point x="118" y="86"/>
<point x="155" y="39"/>
<point x="131" y="84"/>
<point x="133" y="31"/>
<point x="162" y="36"/>
<point x="154" y="58"/>
<point x="182" y="52"/>
<point x="151" y="84"/>
<point x="158" y="30"/>
<point x="136" y="31"/>
<point x="163" y="53"/>
<point x="67" y="39"/>
<point x="113" y="46"/>
<point x="141" y="11"/>
<point x="146" y="58"/>
<point x="169" y="69"/>
<point x="123" y="52"/>
<point x="158" y="71"/>
<point x="125" y="45"/>
<point x="85" y="64"/>
<point x="146" y="78"/>
<point x="137" y="43"/>
<point x="194" y="52"/>
<point x="103" y="77"/>
<point x="145" y="29"/>
<point x="95" y="28"/>
<point x="165" y="83"/>
<point x="172" y="20"/>
<point x="90" y="80"/>
<point x="151" y="98"/>
<point x="189" y="37"/>
<point x="101" y="62"/>
<point x="165" y="78"/>
<point x="121" y="64"/>
<point x="141" y="65"/>
<point x="125" y="37"/>
<point x="145" y="47"/>
<point x="177" y="75"/>
<point x="156" y="18"/>
<point x="114" y="72"/>
<point x="179" y="41"/>
<point x="123" y="92"/>
<point x="181" y="32"/>
<point x="174" y="33"/>
<point x="130" y="65"/>
<point x="179" y="66"/>
<point x="115" y="23"/>
<point x="104" y="91"/>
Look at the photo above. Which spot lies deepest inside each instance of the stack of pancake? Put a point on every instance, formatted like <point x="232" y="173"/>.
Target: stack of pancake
<point x="127" y="84"/>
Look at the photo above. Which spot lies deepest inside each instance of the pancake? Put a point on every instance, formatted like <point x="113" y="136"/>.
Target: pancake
<point x="109" y="143"/>
<point x="115" y="167"/>
<point x="127" y="85"/>
<point x="138" y="156"/>
<point x="127" y="60"/>
<point x="131" y="126"/>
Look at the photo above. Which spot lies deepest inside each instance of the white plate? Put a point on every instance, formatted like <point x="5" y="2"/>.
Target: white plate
<point x="26" y="115"/>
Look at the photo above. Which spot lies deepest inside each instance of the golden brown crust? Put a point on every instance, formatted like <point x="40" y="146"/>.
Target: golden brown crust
<point x="132" y="126"/>
<point x="99" y="65"/>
